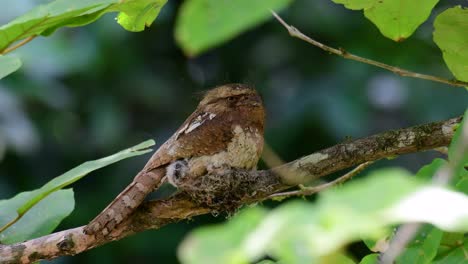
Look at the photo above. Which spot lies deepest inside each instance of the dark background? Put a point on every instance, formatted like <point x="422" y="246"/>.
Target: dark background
<point x="88" y="92"/>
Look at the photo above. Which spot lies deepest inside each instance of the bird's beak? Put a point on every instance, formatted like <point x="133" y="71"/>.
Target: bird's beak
<point x="255" y="100"/>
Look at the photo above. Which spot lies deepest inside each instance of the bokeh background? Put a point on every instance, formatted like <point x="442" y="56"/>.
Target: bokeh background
<point x="87" y="92"/>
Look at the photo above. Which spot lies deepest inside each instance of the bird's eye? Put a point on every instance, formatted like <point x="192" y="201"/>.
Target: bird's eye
<point x="231" y="98"/>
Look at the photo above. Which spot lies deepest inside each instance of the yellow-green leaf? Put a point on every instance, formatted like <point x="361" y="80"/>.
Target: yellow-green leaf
<point x="451" y="35"/>
<point x="396" y="19"/>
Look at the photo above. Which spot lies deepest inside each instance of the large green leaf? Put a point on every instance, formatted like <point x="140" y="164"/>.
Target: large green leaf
<point x="41" y="220"/>
<point x="8" y="64"/>
<point x="44" y="19"/>
<point x="396" y="19"/>
<point x="20" y="204"/>
<point x="451" y="35"/>
<point x="203" y="24"/>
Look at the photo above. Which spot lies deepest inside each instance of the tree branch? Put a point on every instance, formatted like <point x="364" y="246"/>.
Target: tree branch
<point x="294" y="32"/>
<point x="256" y="187"/>
<point x="306" y="190"/>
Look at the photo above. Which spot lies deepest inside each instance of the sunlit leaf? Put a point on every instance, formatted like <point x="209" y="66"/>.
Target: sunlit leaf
<point x="45" y="19"/>
<point x="396" y="20"/>
<point x="451" y="35"/>
<point x="136" y="15"/>
<point x="443" y="208"/>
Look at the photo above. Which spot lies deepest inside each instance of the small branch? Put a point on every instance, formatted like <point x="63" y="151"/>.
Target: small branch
<point x="294" y="32"/>
<point x="315" y="189"/>
<point x="155" y="214"/>
<point x="17" y="45"/>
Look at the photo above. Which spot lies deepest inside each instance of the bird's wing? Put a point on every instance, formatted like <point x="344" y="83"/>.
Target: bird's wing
<point x="199" y="135"/>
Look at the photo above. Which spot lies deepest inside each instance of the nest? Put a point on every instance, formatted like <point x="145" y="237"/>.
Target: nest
<point x="225" y="191"/>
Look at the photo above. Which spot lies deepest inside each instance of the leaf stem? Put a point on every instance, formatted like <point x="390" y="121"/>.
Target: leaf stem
<point x="294" y="32"/>
<point x="3" y="228"/>
<point x="17" y="45"/>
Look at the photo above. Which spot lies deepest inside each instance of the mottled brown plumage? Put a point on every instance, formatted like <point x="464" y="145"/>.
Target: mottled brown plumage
<point x="225" y="131"/>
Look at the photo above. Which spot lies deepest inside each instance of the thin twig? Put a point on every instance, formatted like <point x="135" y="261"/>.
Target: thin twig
<point x="315" y="189"/>
<point x="17" y="45"/>
<point x="294" y="32"/>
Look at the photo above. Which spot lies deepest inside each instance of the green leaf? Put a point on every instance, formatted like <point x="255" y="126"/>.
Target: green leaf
<point x="462" y="184"/>
<point x="456" y="256"/>
<point x="266" y="261"/>
<point x="47" y="16"/>
<point x="40" y="220"/>
<point x="26" y="200"/>
<point x="396" y="19"/>
<point x="45" y="19"/>
<point x="450" y="242"/>
<point x="370" y="259"/>
<point x="451" y="35"/>
<point x="301" y="232"/>
<point x="446" y="209"/>
<point x="336" y="258"/>
<point x="393" y="184"/>
<point x="221" y="243"/>
<point x="423" y="248"/>
<point x="8" y="64"/>
<point x="203" y="24"/>
<point x="458" y="154"/>
<point x="136" y="15"/>
<point x="427" y="172"/>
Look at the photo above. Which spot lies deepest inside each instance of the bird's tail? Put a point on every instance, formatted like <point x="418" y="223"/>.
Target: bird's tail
<point x="126" y="202"/>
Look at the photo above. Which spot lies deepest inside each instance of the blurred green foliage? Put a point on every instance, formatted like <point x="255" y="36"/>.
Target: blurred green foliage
<point x="18" y="221"/>
<point x="88" y="91"/>
<point x="202" y="24"/>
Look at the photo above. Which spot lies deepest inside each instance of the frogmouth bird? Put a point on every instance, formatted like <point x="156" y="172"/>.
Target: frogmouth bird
<point x="224" y="132"/>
